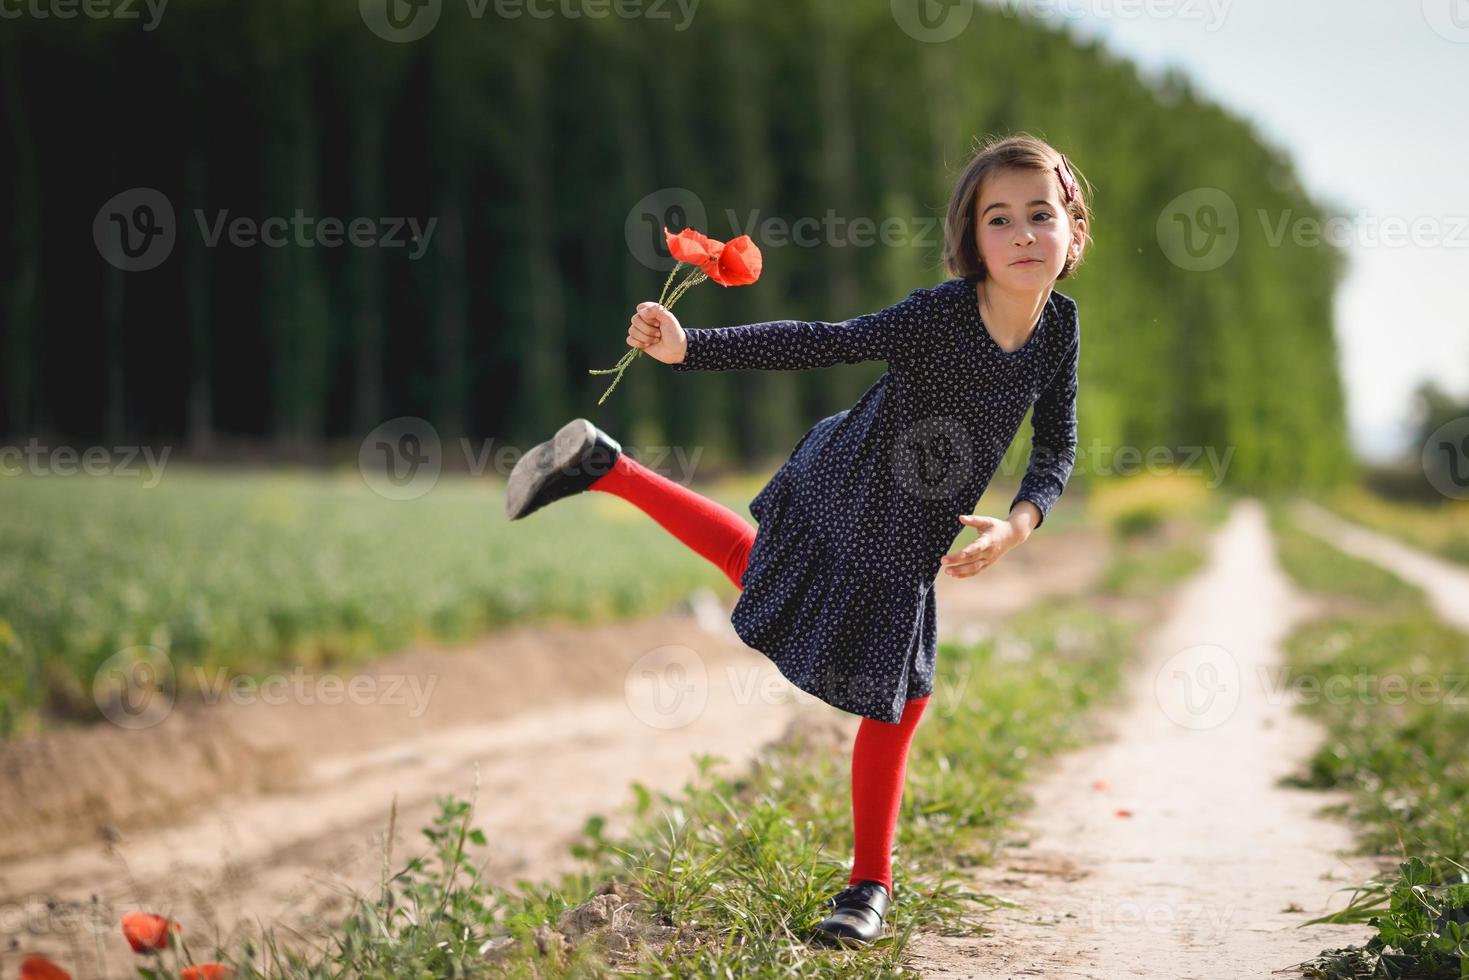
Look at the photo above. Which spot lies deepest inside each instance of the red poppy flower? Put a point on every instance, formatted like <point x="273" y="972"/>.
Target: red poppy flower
<point x="37" y="967"/>
<point x="734" y="263"/>
<point x="206" y="971"/>
<point x="147" y="932"/>
<point x="740" y="263"/>
<point x="694" y="248"/>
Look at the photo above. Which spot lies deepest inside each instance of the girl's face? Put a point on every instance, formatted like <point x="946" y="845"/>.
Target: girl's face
<point x="1022" y="231"/>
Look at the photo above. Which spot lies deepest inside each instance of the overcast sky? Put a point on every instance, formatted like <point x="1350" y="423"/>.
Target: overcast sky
<point x="1371" y="99"/>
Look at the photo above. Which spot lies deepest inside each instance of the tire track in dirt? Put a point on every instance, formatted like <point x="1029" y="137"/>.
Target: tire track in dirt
<point x="1446" y="583"/>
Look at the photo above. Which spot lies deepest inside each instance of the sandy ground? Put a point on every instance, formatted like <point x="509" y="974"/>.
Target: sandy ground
<point x="243" y="810"/>
<point x="1446" y="583"/>
<point x="1167" y="849"/>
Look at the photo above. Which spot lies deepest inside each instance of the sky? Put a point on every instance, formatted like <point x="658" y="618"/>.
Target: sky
<point x="1370" y="98"/>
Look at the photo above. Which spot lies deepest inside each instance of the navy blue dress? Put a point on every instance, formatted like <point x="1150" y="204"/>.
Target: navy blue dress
<point x="838" y="592"/>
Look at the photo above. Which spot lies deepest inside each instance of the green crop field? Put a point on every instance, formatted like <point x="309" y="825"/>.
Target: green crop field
<point x="253" y="569"/>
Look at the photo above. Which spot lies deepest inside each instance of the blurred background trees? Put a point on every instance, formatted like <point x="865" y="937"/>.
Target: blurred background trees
<point x="529" y="142"/>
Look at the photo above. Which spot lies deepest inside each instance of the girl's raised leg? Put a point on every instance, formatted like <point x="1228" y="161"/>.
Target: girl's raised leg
<point x="705" y="525"/>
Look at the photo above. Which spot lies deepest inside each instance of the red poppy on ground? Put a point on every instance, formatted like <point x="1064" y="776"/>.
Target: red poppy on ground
<point x="147" y="932"/>
<point x="206" y="971"/>
<point x="740" y="263"/>
<point x="37" y="967"/>
<point x="1124" y="813"/>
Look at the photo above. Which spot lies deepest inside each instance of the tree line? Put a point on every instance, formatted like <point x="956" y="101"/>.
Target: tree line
<point x="536" y="155"/>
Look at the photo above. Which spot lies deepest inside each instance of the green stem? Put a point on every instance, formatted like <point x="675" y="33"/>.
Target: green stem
<point x="693" y="279"/>
<point x="666" y="301"/>
<point x="667" y="281"/>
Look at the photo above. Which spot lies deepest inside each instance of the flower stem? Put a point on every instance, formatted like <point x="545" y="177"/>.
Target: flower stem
<point x="666" y="301"/>
<point x="694" y="278"/>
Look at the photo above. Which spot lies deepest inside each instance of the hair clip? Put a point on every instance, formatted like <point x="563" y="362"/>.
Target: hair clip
<point x="1068" y="182"/>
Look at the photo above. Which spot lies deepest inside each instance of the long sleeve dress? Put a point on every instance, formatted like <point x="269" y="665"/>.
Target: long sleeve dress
<point x="838" y="592"/>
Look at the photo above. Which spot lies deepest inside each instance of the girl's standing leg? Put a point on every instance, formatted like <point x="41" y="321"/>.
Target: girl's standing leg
<point x="879" y="767"/>
<point x="707" y="526"/>
<point x="880" y="751"/>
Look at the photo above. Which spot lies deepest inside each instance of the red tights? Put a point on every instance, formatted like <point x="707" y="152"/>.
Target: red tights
<point x="880" y="750"/>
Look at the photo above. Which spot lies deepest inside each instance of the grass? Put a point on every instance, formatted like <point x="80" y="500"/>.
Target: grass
<point x="254" y="570"/>
<point x="1328" y="572"/>
<point x="1159" y="524"/>
<point x="727" y="877"/>
<point x="1389" y="682"/>
<point x="730" y="873"/>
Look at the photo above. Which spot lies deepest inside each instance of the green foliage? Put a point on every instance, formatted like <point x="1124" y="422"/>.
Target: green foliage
<point x="1440" y="526"/>
<point x="1138" y="521"/>
<point x="1393" y="692"/>
<point x="529" y="280"/>
<point x="1159" y="525"/>
<point x="1387" y="680"/>
<point x="1324" y="570"/>
<point x="251" y="571"/>
<point x="1422" y="929"/>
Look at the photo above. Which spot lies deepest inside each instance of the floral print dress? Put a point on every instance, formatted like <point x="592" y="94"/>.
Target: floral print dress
<point x="839" y="590"/>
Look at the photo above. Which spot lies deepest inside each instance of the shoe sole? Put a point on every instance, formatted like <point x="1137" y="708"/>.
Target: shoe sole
<point x="567" y="446"/>
<point x="823" y="938"/>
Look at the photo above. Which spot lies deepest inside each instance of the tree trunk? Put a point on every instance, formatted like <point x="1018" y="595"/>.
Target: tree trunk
<point x="546" y="382"/>
<point x="839" y="181"/>
<point x="199" y="413"/>
<point x="114" y="294"/>
<point x="451" y="314"/>
<point x="364" y="265"/>
<point x="21" y="304"/>
<point x="771" y="420"/>
<point x="295" y="307"/>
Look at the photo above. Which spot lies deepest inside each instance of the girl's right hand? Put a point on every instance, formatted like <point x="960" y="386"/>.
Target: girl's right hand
<point x="658" y="332"/>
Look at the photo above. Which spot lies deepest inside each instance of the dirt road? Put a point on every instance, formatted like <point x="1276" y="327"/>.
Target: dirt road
<point x="1446" y="583"/>
<point x="1168" y="850"/>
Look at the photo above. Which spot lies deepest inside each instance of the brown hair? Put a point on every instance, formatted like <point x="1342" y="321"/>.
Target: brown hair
<point x="1019" y="152"/>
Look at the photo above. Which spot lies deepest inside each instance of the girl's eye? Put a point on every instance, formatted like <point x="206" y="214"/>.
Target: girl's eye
<point x="1039" y="216"/>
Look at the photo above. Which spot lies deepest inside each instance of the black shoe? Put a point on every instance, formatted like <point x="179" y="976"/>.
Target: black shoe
<point x="567" y="463"/>
<point x="858" y="916"/>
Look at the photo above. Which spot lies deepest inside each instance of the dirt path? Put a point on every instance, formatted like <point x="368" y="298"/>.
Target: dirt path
<point x="1216" y="865"/>
<point x="1446" y="583"/>
<point x="244" y="812"/>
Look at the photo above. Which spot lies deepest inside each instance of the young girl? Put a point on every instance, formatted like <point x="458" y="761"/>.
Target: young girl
<point x="837" y="583"/>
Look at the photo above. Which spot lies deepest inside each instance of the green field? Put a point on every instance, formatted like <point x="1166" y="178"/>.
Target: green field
<point x="252" y="570"/>
<point x="1442" y="528"/>
<point x="1388" y="681"/>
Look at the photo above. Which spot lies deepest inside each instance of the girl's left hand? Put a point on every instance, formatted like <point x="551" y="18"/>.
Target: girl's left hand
<point x="995" y="538"/>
